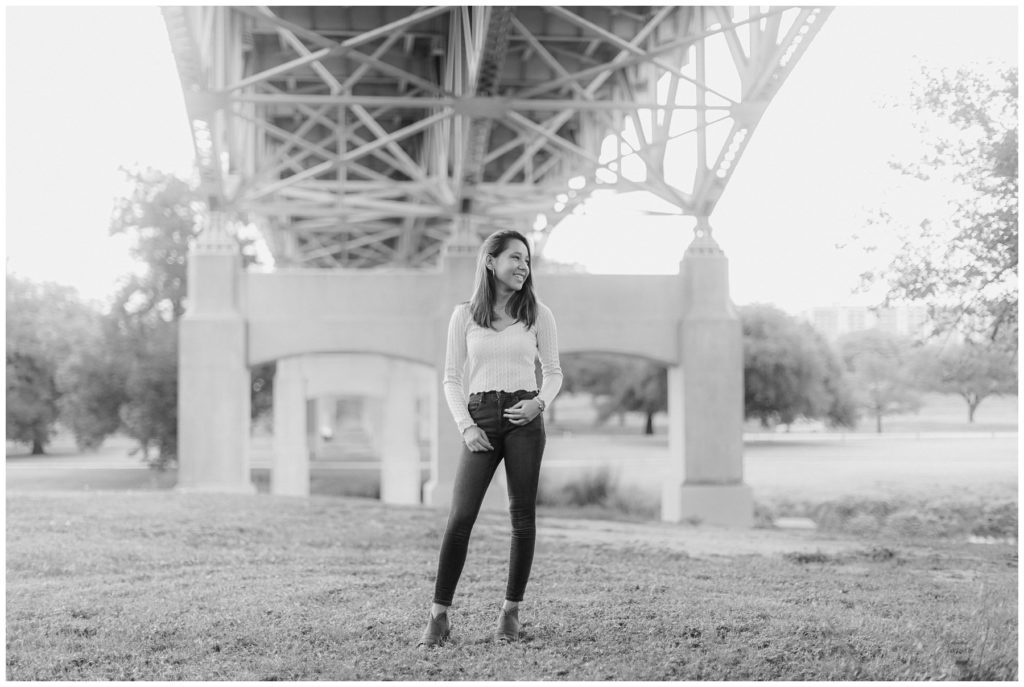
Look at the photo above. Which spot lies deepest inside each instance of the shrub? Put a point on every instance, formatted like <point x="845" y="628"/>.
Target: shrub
<point x="633" y="501"/>
<point x="997" y="521"/>
<point x="592" y="489"/>
<point x="596" y="494"/>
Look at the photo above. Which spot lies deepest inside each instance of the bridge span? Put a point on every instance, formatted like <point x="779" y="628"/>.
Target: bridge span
<point x="374" y="147"/>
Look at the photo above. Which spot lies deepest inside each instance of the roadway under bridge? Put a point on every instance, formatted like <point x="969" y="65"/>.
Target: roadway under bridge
<point x="374" y="147"/>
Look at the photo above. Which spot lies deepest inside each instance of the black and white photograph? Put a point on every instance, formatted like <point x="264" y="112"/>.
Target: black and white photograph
<point x="511" y="343"/>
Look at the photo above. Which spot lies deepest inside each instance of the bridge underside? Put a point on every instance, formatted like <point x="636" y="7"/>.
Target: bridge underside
<point x="360" y="136"/>
<point x="366" y="137"/>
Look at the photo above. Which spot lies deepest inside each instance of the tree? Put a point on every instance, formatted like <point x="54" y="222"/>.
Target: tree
<point x="841" y="410"/>
<point x="971" y="371"/>
<point x="262" y="390"/>
<point x="592" y="373"/>
<point x="639" y="386"/>
<point x="881" y="367"/>
<point x="162" y="215"/>
<point x="45" y="323"/>
<point x="964" y="266"/>
<point x="790" y="371"/>
<point x="150" y="413"/>
<point x="31" y="401"/>
<point x="118" y="371"/>
<point x="93" y="383"/>
<point x="620" y="384"/>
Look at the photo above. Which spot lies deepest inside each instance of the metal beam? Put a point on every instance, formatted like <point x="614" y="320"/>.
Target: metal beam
<point x="345" y="48"/>
<point x="627" y="59"/>
<point x="468" y="104"/>
<point x="483" y="102"/>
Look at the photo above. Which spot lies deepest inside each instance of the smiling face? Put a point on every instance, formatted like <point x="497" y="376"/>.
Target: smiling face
<point x="511" y="267"/>
<point x="504" y="281"/>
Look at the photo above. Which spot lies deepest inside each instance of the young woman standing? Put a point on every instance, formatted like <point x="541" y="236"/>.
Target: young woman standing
<point x="496" y="339"/>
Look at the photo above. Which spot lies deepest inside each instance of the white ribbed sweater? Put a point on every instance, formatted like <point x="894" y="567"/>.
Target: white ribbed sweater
<point x="498" y="361"/>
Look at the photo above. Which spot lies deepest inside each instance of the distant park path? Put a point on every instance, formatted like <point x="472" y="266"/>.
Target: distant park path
<point x="817" y="466"/>
<point x="811" y="467"/>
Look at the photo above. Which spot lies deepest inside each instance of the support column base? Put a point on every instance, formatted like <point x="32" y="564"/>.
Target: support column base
<point x="400" y="484"/>
<point x="731" y="505"/>
<point x="289" y="484"/>
<point x="247" y="489"/>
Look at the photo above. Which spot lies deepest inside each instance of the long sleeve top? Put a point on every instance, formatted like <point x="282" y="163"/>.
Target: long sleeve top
<point x="483" y="359"/>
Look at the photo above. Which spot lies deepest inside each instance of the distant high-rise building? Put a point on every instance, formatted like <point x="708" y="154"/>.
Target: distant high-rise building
<point x="836" y="320"/>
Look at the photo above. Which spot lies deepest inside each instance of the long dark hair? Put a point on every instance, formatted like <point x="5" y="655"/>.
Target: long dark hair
<point x="522" y="305"/>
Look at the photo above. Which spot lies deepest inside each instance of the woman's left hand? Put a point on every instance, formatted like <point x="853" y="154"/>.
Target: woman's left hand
<point x="523" y="412"/>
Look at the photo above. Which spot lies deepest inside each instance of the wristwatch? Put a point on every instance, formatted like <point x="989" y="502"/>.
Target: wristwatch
<point x="540" y="402"/>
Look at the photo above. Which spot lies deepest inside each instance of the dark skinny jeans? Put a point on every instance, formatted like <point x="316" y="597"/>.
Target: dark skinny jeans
<point x="521" y="447"/>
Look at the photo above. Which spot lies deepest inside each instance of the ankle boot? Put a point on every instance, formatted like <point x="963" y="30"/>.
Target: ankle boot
<point x="509" y="626"/>
<point x="437" y="631"/>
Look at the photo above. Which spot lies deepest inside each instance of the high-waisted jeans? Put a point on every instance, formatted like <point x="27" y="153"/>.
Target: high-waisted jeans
<point x="521" y="446"/>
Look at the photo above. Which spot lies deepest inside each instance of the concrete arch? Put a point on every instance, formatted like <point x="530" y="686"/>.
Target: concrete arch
<point x="301" y="312"/>
<point x="685" y="321"/>
<point x="399" y="387"/>
<point x="610" y="351"/>
<point x="359" y="372"/>
<point x="625" y="314"/>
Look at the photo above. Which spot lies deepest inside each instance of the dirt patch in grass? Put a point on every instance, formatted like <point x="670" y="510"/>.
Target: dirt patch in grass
<point x="167" y="586"/>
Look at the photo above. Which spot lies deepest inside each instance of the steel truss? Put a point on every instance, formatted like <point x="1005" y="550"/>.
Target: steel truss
<point x="355" y="136"/>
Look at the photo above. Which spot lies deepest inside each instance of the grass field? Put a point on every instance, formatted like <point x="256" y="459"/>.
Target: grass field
<point x="168" y="586"/>
<point x="112" y="576"/>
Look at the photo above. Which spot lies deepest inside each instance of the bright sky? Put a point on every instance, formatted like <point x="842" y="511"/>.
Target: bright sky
<point x="816" y="163"/>
<point x="89" y="89"/>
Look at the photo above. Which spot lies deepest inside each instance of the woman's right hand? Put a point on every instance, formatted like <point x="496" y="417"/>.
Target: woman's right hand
<point x="476" y="439"/>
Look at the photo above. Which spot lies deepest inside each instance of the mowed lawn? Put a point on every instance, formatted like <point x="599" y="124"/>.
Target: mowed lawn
<point x="160" y="585"/>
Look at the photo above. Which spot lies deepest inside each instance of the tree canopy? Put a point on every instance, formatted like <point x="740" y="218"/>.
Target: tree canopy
<point x="973" y="372"/>
<point x="103" y="373"/>
<point x="790" y="371"/>
<point x="129" y="379"/>
<point x="962" y="265"/>
<point x="640" y="386"/>
<point x="46" y="324"/>
<point x="883" y="372"/>
<point x="619" y="383"/>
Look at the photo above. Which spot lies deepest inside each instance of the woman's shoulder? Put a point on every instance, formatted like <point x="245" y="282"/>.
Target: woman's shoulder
<point x="544" y="315"/>
<point x="544" y="310"/>
<point x="461" y="313"/>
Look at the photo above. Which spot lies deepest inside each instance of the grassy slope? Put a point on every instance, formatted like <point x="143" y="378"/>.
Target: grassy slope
<point x="169" y="586"/>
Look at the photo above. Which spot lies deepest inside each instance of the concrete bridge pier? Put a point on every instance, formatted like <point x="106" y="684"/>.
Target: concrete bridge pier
<point x="705" y="404"/>
<point x="398" y="384"/>
<point x="399" y="448"/>
<point x="213" y="375"/>
<point x="290" y="468"/>
<point x="686" y="320"/>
